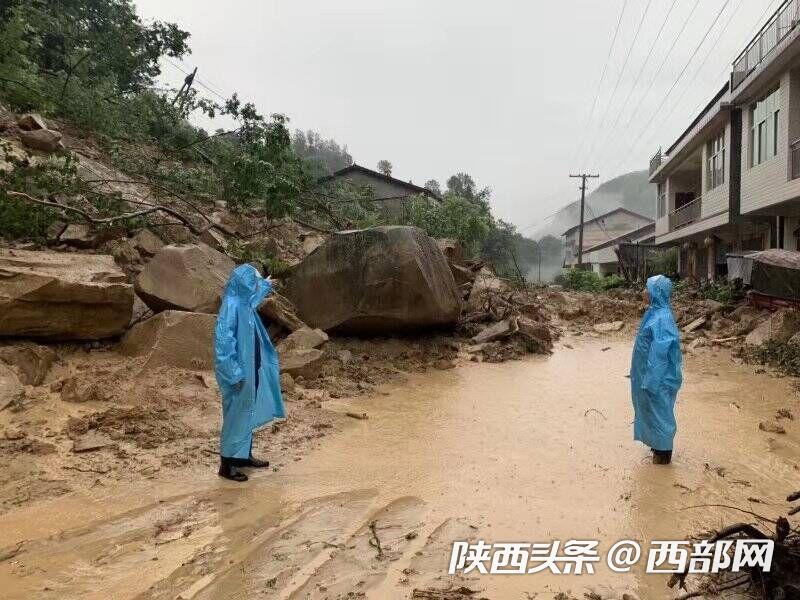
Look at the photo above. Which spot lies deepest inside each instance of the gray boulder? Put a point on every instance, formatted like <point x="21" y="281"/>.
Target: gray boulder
<point x="189" y="278"/>
<point x="375" y="281"/>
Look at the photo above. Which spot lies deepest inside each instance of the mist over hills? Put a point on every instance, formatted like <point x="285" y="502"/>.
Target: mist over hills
<point x="631" y="191"/>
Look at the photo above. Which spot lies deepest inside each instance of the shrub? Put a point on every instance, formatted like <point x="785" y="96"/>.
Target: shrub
<point x="783" y="357"/>
<point x="587" y="281"/>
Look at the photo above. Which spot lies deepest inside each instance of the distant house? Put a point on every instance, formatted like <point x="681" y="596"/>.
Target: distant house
<point x="606" y="227"/>
<point x="603" y="257"/>
<point x="391" y="195"/>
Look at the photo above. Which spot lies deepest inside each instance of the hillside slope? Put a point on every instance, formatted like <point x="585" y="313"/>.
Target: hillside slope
<point x="631" y="191"/>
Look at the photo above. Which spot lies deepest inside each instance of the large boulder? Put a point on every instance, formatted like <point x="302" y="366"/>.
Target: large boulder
<point x="173" y="338"/>
<point x="45" y="140"/>
<point x="375" y="281"/>
<point x="189" y="277"/>
<point x="780" y="328"/>
<point x="62" y="296"/>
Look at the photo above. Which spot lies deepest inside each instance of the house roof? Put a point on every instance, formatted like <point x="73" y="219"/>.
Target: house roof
<point x="603" y="216"/>
<point x="635" y="233"/>
<point x="707" y="108"/>
<point x="354" y="168"/>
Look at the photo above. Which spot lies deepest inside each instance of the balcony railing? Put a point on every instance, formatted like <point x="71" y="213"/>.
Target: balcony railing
<point x="686" y="214"/>
<point x="656" y="161"/>
<point x="780" y="24"/>
<point x="794" y="153"/>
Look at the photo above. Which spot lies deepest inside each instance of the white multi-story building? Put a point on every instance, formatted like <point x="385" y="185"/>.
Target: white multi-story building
<point x="731" y="181"/>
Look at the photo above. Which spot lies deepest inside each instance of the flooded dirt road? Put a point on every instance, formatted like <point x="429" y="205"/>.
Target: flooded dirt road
<point x="527" y="451"/>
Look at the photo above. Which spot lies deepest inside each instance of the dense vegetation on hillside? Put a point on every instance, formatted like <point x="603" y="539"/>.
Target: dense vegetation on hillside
<point x="94" y="65"/>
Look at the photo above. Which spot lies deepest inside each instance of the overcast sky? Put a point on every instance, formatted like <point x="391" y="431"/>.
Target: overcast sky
<point x="502" y="90"/>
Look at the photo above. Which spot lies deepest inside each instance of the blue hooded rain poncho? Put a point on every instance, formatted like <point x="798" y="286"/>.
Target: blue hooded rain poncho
<point x="246" y="363"/>
<point x="656" y="369"/>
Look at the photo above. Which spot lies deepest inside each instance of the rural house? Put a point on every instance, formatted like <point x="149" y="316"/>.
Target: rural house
<point x="606" y="227"/>
<point x="390" y="195"/>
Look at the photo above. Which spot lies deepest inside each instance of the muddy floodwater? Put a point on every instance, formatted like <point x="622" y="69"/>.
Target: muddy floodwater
<point x="529" y="451"/>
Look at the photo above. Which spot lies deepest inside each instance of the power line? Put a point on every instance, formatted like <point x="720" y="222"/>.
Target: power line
<point x="724" y="75"/>
<point x="619" y="79"/>
<point x="677" y="79"/>
<point x="602" y="78"/>
<point x="660" y="68"/>
<point x="199" y="81"/>
<point x="644" y="64"/>
<point x="711" y="49"/>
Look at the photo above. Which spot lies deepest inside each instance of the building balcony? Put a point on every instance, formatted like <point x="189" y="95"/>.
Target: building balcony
<point x="776" y="28"/>
<point x="686" y="214"/>
<point x="656" y="161"/>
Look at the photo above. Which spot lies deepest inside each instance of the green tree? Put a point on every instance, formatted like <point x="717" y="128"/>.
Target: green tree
<point x="385" y="167"/>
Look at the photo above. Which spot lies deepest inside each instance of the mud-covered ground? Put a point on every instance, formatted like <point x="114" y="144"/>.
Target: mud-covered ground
<point x="454" y="447"/>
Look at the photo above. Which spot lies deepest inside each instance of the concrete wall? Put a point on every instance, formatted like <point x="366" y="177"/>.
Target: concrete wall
<point x="768" y="184"/>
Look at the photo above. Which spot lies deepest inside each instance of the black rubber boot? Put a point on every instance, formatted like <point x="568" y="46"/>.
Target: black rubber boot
<point x="228" y="470"/>
<point x="662" y="457"/>
<point x="257" y="463"/>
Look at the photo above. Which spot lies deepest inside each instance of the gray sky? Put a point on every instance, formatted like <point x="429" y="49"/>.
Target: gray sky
<point x="502" y="90"/>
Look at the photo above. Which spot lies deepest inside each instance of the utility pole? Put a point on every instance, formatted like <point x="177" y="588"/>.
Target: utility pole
<point x="583" y="177"/>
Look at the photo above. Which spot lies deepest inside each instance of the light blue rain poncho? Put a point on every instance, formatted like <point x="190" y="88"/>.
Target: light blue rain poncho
<point x="246" y="363"/>
<point x="656" y="369"/>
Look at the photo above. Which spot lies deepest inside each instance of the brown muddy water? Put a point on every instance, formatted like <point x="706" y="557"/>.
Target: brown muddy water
<point x="528" y="451"/>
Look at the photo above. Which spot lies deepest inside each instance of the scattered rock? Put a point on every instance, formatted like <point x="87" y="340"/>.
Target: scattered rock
<point x="92" y="440"/>
<point x="147" y="243"/>
<point x="609" y="327"/>
<point x="62" y="296"/>
<point x="378" y="280"/>
<point x="77" y="389"/>
<point x="344" y="356"/>
<point x="302" y="363"/>
<point x="215" y="239"/>
<point x="124" y="252"/>
<point x="784" y="413"/>
<point x="14" y="433"/>
<point x="303" y="339"/>
<point x="189" y="278"/>
<point x="79" y="235"/>
<point x="45" y="140"/>
<point x="444" y="364"/>
<point x="771" y="427"/>
<point x="312" y="241"/>
<point x="496" y="331"/>
<point x="278" y="309"/>
<point x="287" y="383"/>
<point x="31" y="122"/>
<point x="779" y="327"/>
<point x="32" y="361"/>
<point x="696" y="324"/>
<point x="485" y="285"/>
<point x="538" y="337"/>
<point x="176" y="338"/>
<point x="54" y="231"/>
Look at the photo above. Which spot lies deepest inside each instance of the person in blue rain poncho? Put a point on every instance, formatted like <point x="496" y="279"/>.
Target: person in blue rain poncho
<point x="246" y="365"/>
<point x="656" y="372"/>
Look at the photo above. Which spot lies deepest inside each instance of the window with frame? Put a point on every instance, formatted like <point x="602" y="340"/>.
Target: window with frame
<point x="764" y="127"/>
<point x="662" y="200"/>
<point x="716" y="161"/>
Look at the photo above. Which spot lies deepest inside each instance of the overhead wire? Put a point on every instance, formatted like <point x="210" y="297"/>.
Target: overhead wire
<point x="600" y="83"/>
<point x="619" y="79"/>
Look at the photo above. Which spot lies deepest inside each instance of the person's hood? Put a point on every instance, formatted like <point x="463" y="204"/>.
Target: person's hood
<point x="246" y="284"/>
<point x="659" y="288"/>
